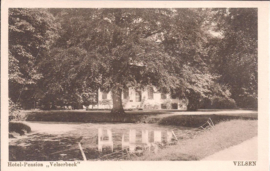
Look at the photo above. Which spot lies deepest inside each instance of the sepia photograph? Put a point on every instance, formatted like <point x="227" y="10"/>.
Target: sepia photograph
<point x="133" y="84"/>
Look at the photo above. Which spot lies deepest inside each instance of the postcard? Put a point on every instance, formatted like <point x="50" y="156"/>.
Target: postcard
<point x="135" y="85"/>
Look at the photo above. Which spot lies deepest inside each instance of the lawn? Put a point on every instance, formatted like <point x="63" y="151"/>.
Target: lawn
<point x="220" y="137"/>
<point x="167" y="117"/>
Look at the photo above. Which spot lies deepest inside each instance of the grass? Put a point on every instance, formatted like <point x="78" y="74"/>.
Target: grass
<point x="198" y="120"/>
<point x="84" y="117"/>
<point x="220" y="137"/>
<point x="41" y="147"/>
<point x="98" y="116"/>
<point x="163" y="117"/>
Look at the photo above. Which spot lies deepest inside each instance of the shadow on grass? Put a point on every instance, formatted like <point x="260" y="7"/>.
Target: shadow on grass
<point x="83" y="117"/>
<point x="40" y="147"/>
<point x="91" y="116"/>
<point x="198" y="120"/>
<point x="19" y="128"/>
<point x="132" y="117"/>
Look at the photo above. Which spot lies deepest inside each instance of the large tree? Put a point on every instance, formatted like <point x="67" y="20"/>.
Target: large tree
<point x="118" y="48"/>
<point x="31" y="34"/>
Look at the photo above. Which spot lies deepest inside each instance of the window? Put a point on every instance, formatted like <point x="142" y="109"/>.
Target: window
<point x="163" y="96"/>
<point x="104" y="95"/>
<point x="173" y="96"/>
<point x="150" y="93"/>
<point x="174" y="106"/>
<point x="126" y="93"/>
<point x="138" y="96"/>
<point x="163" y="106"/>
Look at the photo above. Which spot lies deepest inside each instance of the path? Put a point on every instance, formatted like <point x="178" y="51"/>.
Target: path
<point x="248" y="150"/>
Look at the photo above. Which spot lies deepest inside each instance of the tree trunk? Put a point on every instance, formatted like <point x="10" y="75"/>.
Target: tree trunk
<point x="53" y="106"/>
<point x="193" y="101"/>
<point x="117" y="102"/>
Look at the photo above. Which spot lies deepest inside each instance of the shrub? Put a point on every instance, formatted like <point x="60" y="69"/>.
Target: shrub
<point x="223" y="103"/>
<point x="183" y="104"/>
<point x="14" y="111"/>
<point x="166" y="104"/>
<point x="217" y="102"/>
<point x="19" y="128"/>
<point x="106" y="102"/>
<point x="248" y="102"/>
<point x="151" y="106"/>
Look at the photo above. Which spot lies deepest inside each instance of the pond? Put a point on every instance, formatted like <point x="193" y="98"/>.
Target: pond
<point x="50" y="141"/>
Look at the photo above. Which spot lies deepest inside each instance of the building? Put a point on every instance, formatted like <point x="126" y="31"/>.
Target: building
<point x="147" y="98"/>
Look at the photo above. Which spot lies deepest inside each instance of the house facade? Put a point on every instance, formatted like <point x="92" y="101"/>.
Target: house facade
<point x="147" y="98"/>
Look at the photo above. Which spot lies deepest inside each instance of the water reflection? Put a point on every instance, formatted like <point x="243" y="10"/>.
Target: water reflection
<point x="133" y="143"/>
<point x="135" y="140"/>
<point x="105" y="139"/>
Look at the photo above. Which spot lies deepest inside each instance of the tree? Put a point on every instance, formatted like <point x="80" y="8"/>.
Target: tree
<point x="118" y="48"/>
<point x="89" y="98"/>
<point x="175" y="50"/>
<point x="31" y="34"/>
<point x="113" y="49"/>
<point x="234" y="53"/>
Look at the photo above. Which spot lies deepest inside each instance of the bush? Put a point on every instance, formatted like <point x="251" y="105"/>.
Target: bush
<point x="19" y="128"/>
<point x="14" y="112"/>
<point x="166" y="104"/>
<point x="218" y="103"/>
<point x="194" y="99"/>
<point x="151" y="106"/>
<point x="248" y="102"/>
<point x="196" y="121"/>
<point x="106" y="102"/>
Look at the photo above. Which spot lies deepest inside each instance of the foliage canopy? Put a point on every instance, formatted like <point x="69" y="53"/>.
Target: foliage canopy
<point x="74" y="51"/>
